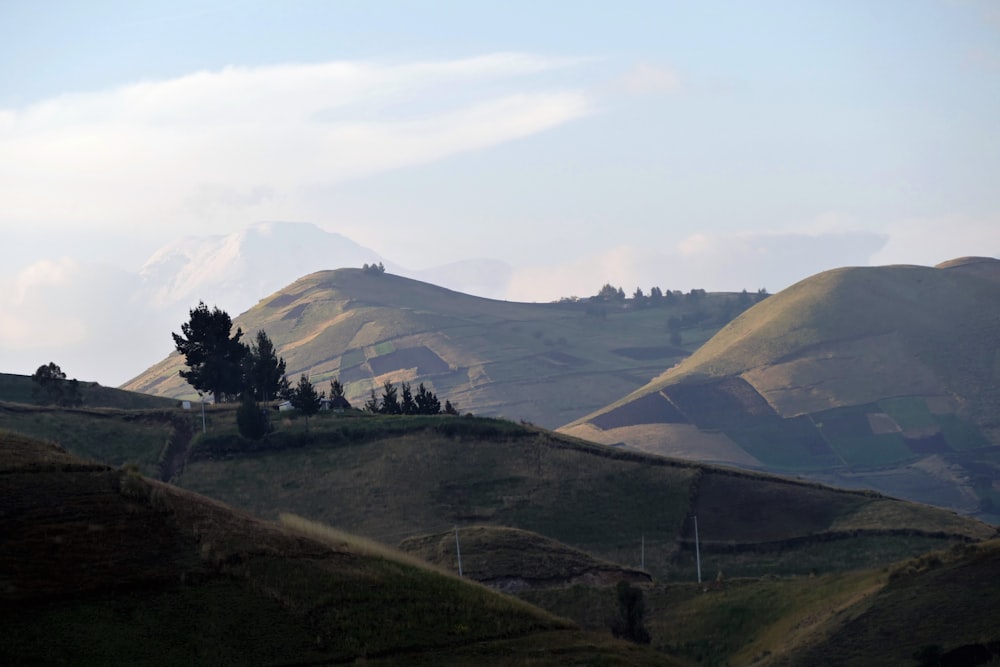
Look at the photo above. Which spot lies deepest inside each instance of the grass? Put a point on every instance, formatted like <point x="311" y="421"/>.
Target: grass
<point x="860" y="340"/>
<point x="391" y="478"/>
<point x="109" y="435"/>
<point x="20" y="389"/>
<point x="101" y="565"/>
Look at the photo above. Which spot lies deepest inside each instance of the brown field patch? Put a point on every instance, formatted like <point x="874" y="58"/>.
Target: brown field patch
<point x="881" y="423"/>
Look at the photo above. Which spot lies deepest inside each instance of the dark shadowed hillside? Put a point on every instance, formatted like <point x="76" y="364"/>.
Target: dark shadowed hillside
<point x="102" y="566"/>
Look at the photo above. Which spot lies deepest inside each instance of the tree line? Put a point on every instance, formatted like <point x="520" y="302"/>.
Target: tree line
<point x="220" y="364"/>
<point x="656" y="296"/>
<point x="403" y="401"/>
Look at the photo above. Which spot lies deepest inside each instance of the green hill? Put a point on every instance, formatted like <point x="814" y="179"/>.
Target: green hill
<point x="393" y="478"/>
<point x="546" y="363"/>
<point x="20" y="389"/>
<point x="102" y="566"/>
<point x="514" y="560"/>
<point x="885" y="377"/>
<point x="937" y="609"/>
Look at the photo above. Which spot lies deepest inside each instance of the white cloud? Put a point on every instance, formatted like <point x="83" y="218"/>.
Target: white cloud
<point x="242" y="143"/>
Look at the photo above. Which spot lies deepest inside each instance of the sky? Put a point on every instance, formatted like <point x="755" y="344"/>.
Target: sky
<point x="718" y="145"/>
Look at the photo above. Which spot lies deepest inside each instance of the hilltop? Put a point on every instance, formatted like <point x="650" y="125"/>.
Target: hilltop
<point x="546" y="363"/>
<point x="102" y="565"/>
<point x="885" y="377"/>
<point x="20" y="389"/>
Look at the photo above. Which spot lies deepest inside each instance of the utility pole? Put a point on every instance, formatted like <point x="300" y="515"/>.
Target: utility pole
<point x="458" y="550"/>
<point x="643" y="553"/>
<point x="697" y="548"/>
<point x="204" y="428"/>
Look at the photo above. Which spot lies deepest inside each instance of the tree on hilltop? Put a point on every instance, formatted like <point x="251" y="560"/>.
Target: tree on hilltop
<point x="214" y="359"/>
<point x="52" y="387"/>
<point x="427" y="402"/>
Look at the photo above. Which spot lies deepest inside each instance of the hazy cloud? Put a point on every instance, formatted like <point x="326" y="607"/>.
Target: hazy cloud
<point x="242" y="142"/>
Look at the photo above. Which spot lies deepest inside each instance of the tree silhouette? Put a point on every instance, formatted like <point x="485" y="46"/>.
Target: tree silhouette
<point x="214" y="358"/>
<point x="427" y="402"/>
<point x="390" y="400"/>
<point x="251" y="420"/>
<point x="264" y="370"/>
<point x="51" y="386"/>
<point x="306" y="399"/>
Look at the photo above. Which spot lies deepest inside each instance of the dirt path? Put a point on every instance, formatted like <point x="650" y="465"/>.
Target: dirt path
<point x="176" y="456"/>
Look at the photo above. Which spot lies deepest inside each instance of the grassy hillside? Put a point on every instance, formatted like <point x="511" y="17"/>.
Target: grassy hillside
<point x="547" y="363"/>
<point x="101" y="566"/>
<point x="392" y="478"/>
<point x="514" y="560"/>
<point x="940" y="604"/>
<point x="887" y="377"/>
<point x="20" y="389"/>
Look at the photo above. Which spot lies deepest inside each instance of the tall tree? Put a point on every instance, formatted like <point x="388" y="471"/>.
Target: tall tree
<point x="215" y="358"/>
<point x="264" y="370"/>
<point x="390" y="400"/>
<point x="306" y="399"/>
<point x="406" y="404"/>
<point x="427" y="402"/>
<point x="336" y="388"/>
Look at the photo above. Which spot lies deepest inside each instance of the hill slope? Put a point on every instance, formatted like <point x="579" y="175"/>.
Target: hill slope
<point x="101" y="566"/>
<point x="544" y="363"/>
<point x="887" y="377"/>
<point x="392" y="478"/>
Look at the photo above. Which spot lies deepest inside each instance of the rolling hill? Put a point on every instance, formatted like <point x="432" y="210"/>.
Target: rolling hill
<point x="394" y="478"/>
<point x="882" y="377"/>
<point x="544" y="363"/>
<point x="100" y="566"/>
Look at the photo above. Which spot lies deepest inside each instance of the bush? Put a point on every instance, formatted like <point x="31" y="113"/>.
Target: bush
<point x="251" y="421"/>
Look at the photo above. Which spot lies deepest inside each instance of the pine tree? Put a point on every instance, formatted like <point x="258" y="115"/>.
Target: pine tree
<point x="264" y="370"/>
<point x="306" y="399"/>
<point x="390" y="400"/>
<point x="427" y="402"/>
<point x="406" y="404"/>
<point x="214" y="358"/>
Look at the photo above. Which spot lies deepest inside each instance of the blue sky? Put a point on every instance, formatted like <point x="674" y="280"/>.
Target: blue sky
<point x="720" y="145"/>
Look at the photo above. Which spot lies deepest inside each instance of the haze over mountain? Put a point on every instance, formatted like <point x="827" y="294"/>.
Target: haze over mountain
<point x="98" y="321"/>
<point x="887" y="377"/>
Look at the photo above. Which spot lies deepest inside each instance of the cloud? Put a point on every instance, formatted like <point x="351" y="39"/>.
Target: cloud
<point x="85" y="317"/>
<point x="244" y="142"/>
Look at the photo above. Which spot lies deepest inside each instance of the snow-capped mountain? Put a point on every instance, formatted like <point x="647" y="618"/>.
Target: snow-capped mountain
<point x="237" y="270"/>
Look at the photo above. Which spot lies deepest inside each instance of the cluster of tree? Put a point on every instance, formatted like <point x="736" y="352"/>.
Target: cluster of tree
<point x="377" y="269"/>
<point x="52" y="387"/>
<point x="220" y="364"/>
<point x="404" y="402"/>
<point x="657" y="297"/>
